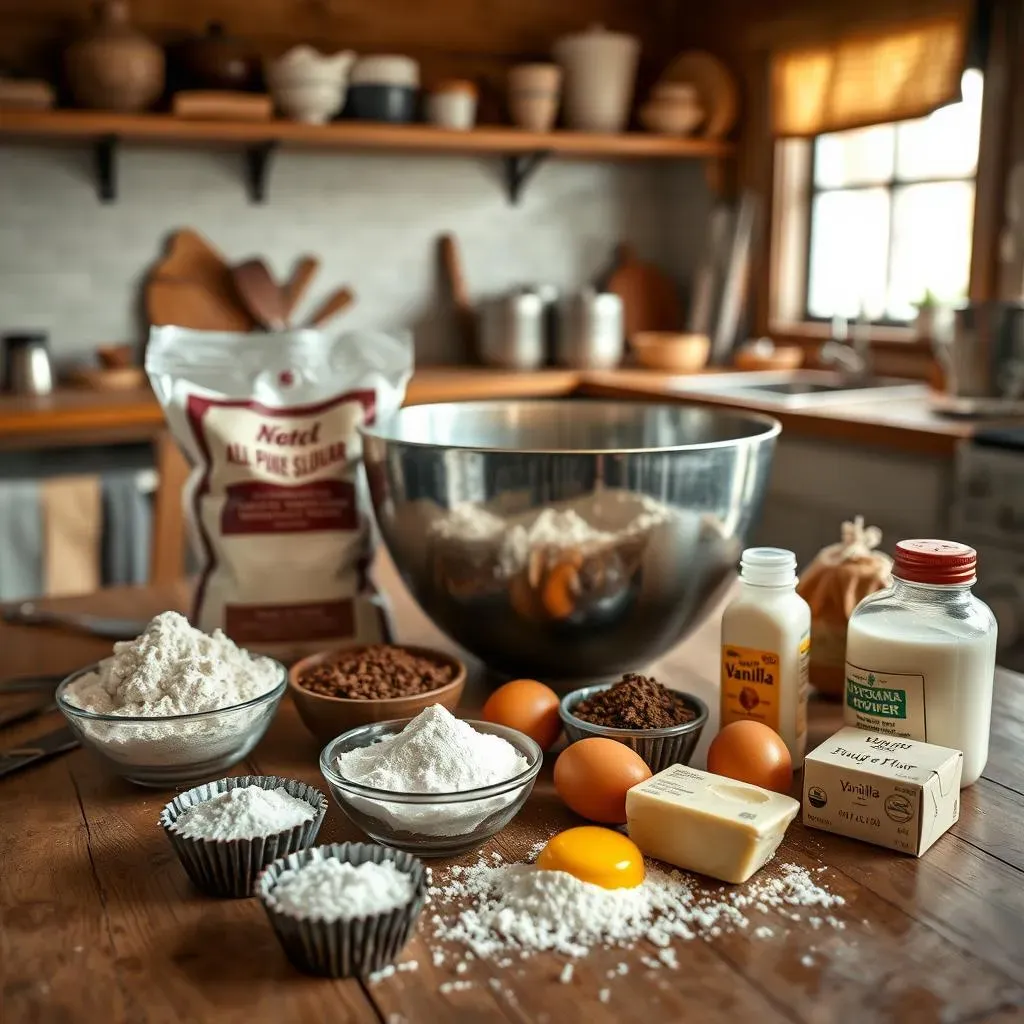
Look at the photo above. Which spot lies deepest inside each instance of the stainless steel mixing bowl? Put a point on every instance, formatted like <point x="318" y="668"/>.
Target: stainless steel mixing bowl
<point x="567" y="540"/>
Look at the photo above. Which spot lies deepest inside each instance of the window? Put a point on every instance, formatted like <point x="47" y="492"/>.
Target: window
<point x="887" y="215"/>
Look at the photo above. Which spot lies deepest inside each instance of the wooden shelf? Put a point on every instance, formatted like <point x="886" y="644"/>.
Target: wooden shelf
<point x="522" y="151"/>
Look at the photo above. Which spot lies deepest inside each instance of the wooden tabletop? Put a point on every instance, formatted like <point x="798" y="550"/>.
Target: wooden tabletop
<point x="99" y="923"/>
<point x="75" y="417"/>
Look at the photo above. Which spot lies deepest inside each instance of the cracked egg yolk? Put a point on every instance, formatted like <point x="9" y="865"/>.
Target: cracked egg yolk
<point x="595" y="855"/>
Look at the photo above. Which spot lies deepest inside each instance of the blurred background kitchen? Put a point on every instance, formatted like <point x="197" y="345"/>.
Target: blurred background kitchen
<point x="812" y="210"/>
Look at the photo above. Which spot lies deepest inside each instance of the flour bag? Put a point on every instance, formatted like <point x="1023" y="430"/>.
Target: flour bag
<point x="838" y="579"/>
<point x="275" y="502"/>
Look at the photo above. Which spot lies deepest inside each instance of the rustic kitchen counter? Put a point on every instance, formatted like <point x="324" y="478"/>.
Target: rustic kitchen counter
<point x="74" y="417"/>
<point x="99" y="923"/>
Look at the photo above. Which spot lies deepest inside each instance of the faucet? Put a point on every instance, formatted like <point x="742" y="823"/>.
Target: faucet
<point x="851" y="358"/>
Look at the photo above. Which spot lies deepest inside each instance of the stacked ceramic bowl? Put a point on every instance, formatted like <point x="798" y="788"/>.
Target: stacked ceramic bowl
<point x="307" y="85"/>
<point x="672" y="109"/>
<point x="384" y="87"/>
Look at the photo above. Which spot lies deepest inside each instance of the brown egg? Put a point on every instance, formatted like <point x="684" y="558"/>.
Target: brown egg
<point x="592" y="777"/>
<point x="528" y="706"/>
<point x="752" y="752"/>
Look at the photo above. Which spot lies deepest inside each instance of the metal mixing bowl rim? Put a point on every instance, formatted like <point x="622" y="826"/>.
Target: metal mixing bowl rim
<point x="772" y="428"/>
<point x="73" y="710"/>
<point x="525" y="745"/>
<point x="570" y="700"/>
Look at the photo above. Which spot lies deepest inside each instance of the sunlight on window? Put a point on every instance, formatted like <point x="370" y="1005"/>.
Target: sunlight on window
<point x="892" y="213"/>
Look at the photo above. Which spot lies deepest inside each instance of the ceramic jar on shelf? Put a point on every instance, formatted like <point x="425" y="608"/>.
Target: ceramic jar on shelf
<point x="309" y="86"/>
<point x="215" y="60"/>
<point x="452" y="104"/>
<point x="534" y="91"/>
<point x="599" y="69"/>
<point x="672" y="109"/>
<point x="112" y="66"/>
<point x="385" y="87"/>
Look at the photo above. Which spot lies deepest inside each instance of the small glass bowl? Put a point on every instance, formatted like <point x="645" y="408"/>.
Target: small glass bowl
<point x="430" y="824"/>
<point x="660" y="748"/>
<point x="176" y="749"/>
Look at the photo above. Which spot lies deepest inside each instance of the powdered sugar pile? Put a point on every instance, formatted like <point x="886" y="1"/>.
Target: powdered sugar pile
<point x="334" y="890"/>
<point x="173" y="669"/>
<point x="495" y="908"/>
<point x="244" y="812"/>
<point x="434" y="753"/>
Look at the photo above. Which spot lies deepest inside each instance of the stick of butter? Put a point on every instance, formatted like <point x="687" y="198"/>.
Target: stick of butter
<point x="707" y="823"/>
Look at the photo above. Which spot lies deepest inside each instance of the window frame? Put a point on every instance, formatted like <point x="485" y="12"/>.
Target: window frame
<point x="891" y="185"/>
<point x="782" y="173"/>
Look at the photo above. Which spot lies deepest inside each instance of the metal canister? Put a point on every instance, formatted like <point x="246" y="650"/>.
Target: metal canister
<point x="512" y="334"/>
<point x="591" y="333"/>
<point x="26" y="364"/>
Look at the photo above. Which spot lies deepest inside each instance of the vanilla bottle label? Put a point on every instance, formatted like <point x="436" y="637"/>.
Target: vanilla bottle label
<point x="750" y="685"/>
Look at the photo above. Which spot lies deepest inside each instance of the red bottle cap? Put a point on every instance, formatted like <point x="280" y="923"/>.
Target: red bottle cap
<point x="939" y="562"/>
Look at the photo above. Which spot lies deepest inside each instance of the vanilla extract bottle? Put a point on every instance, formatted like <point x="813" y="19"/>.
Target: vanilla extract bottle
<point x="766" y="643"/>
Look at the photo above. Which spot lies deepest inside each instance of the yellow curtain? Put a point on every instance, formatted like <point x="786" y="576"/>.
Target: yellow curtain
<point x="889" y="75"/>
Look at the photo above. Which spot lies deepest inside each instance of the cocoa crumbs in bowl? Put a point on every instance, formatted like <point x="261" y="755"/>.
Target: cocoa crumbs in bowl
<point x="663" y="726"/>
<point x="338" y="690"/>
<point x="636" y="702"/>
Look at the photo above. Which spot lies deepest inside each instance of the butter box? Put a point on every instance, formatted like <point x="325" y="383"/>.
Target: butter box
<point x="890" y="791"/>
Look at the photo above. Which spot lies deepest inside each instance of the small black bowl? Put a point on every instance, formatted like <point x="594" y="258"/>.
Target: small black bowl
<point x="369" y="101"/>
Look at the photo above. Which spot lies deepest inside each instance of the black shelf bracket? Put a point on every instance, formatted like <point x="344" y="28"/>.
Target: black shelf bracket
<point x="519" y="168"/>
<point x="106" y="167"/>
<point x="257" y="166"/>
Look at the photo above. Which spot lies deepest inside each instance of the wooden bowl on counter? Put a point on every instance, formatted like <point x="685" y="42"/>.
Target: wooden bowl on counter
<point x="328" y="717"/>
<point x="782" y="357"/>
<point x="673" y="351"/>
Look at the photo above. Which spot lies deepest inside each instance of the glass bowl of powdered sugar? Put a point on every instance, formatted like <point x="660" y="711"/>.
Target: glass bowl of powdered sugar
<point x="434" y="785"/>
<point x="174" y="705"/>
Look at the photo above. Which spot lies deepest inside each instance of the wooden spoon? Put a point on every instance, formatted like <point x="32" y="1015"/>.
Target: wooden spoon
<point x="338" y="300"/>
<point x="451" y="264"/>
<point x="294" y="289"/>
<point x="261" y="294"/>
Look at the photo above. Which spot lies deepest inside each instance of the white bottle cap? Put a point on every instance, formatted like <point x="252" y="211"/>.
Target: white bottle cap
<point x="768" y="567"/>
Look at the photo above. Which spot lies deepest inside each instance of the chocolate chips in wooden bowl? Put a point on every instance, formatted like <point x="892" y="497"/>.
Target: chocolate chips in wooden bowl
<point x="338" y="690"/>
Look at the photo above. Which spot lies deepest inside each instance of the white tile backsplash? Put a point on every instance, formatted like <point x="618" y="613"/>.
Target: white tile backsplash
<point x="74" y="266"/>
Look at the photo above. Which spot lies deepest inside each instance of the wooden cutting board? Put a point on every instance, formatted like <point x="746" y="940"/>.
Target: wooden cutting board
<point x="650" y="300"/>
<point x="192" y="287"/>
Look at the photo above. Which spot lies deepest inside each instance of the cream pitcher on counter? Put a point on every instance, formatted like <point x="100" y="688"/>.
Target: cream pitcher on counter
<point x="921" y="655"/>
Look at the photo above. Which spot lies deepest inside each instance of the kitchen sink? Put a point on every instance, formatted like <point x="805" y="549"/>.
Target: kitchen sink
<point x="798" y="388"/>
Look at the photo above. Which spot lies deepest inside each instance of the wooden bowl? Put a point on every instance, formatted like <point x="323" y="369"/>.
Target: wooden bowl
<point x="784" y="357"/>
<point x="328" y="717"/>
<point x="671" y="350"/>
<point x="121" y="378"/>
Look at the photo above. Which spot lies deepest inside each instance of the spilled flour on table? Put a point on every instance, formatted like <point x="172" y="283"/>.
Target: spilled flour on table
<point x="492" y="909"/>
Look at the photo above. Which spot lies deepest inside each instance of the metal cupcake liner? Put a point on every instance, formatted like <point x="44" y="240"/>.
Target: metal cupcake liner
<point x="659" y="748"/>
<point x="347" y="948"/>
<point x="229" y="867"/>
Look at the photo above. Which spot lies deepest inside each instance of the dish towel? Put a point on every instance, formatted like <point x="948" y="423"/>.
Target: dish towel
<point x="21" y="540"/>
<point x="127" y="527"/>
<point x="72" y="527"/>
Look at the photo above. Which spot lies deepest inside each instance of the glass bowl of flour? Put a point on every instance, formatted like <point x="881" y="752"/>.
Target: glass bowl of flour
<point x="433" y="785"/>
<point x="174" y="705"/>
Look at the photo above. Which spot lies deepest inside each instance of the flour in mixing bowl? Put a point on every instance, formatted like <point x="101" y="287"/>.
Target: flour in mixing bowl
<point x="173" y="669"/>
